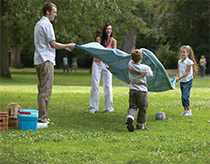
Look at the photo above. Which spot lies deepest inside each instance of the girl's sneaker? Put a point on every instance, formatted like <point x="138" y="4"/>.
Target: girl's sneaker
<point x="188" y="113"/>
<point x="183" y="113"/>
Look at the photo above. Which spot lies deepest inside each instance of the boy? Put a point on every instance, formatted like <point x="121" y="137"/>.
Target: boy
<point x="138" y="90"/>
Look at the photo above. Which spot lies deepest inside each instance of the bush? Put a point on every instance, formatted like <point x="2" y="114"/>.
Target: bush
<point x="167" y="57"/>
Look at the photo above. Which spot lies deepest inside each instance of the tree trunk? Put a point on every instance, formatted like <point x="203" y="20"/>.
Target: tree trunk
<point x="15" y="57"/>
<point x="130" y="40"/>
<point x="4" y="57"/>
<point x="208" y="61"/>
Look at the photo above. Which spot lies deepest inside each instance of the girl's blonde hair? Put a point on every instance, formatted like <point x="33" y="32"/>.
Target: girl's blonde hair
<point x="191" y="56"/>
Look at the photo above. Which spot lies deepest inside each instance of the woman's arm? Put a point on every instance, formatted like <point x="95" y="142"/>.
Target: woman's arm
<point x="114" y="43"/>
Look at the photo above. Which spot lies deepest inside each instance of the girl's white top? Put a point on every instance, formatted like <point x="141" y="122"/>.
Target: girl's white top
<point x="183" y="63"/>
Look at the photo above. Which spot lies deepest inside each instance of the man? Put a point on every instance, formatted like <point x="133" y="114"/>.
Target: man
<point x="44" y="57"/>
<point x="202" y="63"/>
<point x="65" y="64"/>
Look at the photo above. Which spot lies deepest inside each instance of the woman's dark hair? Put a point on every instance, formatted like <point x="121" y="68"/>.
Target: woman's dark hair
<point x="104" y="36"/>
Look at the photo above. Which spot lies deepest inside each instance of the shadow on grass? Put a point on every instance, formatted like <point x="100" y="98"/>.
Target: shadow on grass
<point x="85" y="121"/>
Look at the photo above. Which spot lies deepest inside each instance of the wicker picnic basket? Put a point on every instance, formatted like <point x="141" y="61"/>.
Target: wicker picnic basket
<point x="3" y="121"/>
<point x="13" y="109"/>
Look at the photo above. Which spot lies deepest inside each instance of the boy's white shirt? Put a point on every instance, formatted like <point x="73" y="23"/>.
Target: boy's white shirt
<point x="137" y="82"/>
<point x="182" y="69"/>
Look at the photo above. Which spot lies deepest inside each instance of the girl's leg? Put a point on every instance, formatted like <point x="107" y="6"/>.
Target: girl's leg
<point x="95" y="82"/>
<point x="183" y="96"/>
<point x="186" y="88"/>
<point x="107" y="82"/>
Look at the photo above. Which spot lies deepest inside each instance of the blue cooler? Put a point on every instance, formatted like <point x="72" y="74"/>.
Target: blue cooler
<point x="27" y="119"/>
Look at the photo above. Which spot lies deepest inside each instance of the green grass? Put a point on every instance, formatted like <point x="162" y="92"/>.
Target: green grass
<point x="80" y="137"/>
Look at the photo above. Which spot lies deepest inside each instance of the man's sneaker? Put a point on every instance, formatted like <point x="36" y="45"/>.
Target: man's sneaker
<point x="42" y="125"/>
<point x="141" y="127"/>
<point x="93" y="110"/>
<point x="130" y="126"/>
<point x="43" y="121"/>
<point x="109" y="110"/>
<point x="188" y="113"/>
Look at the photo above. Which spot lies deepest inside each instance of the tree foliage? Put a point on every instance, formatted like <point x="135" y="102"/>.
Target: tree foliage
<point x="158" y="24"/>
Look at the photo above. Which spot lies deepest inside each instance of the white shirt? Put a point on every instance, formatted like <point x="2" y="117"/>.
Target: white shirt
<point x="137" y="82"/>
<point x="182" y="69"/>
<point x="43" y="35"/>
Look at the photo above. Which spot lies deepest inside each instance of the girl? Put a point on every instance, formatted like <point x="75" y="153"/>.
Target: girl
<point x="98" y="69"/>
<point x="187" y="66"/>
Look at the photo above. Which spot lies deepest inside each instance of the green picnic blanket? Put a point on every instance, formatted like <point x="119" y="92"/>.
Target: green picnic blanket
<point x="117" y="60"/>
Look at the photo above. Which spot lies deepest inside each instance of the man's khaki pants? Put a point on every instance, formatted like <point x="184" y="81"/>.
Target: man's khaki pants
<point x="45" y="73"/>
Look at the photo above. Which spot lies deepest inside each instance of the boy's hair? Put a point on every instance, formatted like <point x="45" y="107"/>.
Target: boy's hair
<point x="191" y="56"/>
<point x="48" y="7"/>
<point x="136" y="55"/>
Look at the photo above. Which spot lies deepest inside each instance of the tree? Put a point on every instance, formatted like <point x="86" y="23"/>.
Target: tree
<point x="175" y="23"/>
<point x="22" y="17"/>
<point x="4" y="57"/>
<point x="77" y="21"/>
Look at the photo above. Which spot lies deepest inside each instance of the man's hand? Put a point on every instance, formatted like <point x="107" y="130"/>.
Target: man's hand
<point x="57" y="45"/>
<point x="70" y="47"/>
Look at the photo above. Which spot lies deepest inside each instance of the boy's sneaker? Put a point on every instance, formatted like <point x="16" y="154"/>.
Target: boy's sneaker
<point x="130" y="126"/>
<point x="188" y="113"/>
<point x="93" y="110"/>
<point x="141" y="127"/>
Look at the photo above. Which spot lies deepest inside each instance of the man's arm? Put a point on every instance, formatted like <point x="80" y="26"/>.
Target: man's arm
<point x="58" y="45"/>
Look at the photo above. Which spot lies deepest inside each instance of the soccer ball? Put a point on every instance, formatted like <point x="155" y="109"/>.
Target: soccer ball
<point x="160" y="116"/>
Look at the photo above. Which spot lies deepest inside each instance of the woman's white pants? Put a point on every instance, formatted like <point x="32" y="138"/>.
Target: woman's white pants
<point x="98" y="70"/>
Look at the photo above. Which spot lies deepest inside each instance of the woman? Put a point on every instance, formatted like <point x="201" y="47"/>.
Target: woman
<point x="100" y="69"/>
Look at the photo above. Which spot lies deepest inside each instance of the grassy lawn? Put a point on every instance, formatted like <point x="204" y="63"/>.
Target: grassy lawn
<point x="80" y="137"/>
